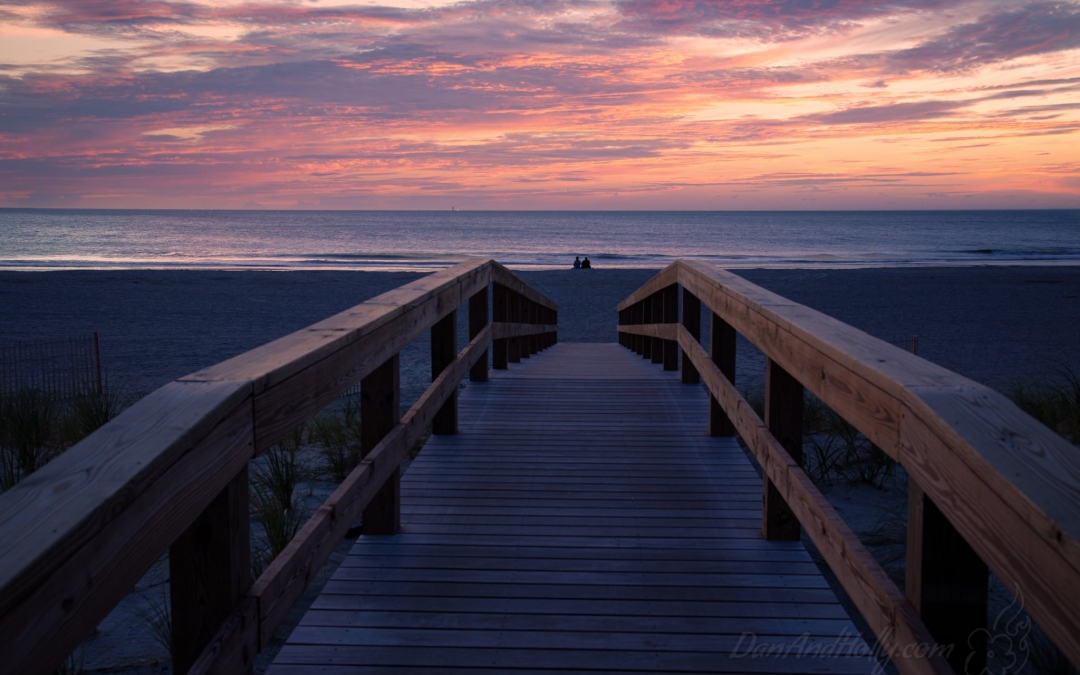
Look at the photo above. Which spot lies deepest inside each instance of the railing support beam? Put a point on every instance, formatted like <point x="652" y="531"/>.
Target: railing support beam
<point x="646" y="317"/>
<point x="443" y="353"/>
<point x="478" y="318"/>
<point x="947" y="583"/>
<point x="380" y="410"/>
<point x="514" y="351"/>
<point x="500" y="312"/>
<point x="656" y="351"/>
<point x="209" y="571"/>
<point x="784" y="417"/>
<point x="691" y="318"/>
<point x="722" y="339"/>
<point x="671" y="315"/>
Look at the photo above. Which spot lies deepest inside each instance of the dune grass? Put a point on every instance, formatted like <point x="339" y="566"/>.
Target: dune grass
<point x="338" y="435"/>
<point x="155" y="614"/>
<point x="274" y="478"/>
<point x="1054" y="401"/>
<point x="34" y="429"/>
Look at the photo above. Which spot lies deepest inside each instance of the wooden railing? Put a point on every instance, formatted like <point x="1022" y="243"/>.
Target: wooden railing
<point x="170" y="474"/>
<point x="989" y="487"/>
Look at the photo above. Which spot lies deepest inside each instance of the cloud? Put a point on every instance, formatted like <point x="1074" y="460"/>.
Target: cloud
<point x="759" y="19"/>
<point x="1037" y="28"/>
<point x="895" y="112"/>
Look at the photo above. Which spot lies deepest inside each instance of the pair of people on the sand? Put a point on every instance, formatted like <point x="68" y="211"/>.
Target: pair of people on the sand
<point x="582" y="264"/>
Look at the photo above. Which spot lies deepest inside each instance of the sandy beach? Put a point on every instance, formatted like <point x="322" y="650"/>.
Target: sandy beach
<point x="992" y="324"/>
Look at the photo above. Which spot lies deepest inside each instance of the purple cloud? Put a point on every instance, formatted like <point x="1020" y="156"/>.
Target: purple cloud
<point x="759" y="19"/>
<point x="1038" y="28"/>
<point x="896" y="112"/>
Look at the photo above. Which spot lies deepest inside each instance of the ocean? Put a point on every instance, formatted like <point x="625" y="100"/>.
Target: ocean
<point x="48" y="239"/>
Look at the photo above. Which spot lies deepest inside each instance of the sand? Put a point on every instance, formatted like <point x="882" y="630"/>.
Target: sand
<point x="992" y="324"/>
<point x="997" y="325"/>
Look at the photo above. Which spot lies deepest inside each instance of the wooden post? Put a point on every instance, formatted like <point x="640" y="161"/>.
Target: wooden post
<point x="555" y="322"/>
<point x="646" y="317"/>
<point x="534" y="318"/>
<point x="656" y="351"/>
<point x="525" y="341"/>
<point x="209" y="571"/>
<point x="514" y="355"/>
<point x="499" y="313"/>
<point x="478" y="318"/>
<point x="380" y="397"/>
<point x="691" y="319"/>
<point x="443" y="353"/>
<point x="637" y="320"/>
<point x="947" y="583"/>
<point x="671" y="315"/>
<point x="784" y="417"/>
<point x="722" y="339"/>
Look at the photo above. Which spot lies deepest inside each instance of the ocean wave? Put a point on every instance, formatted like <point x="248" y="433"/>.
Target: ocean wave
<point x="1026" y="252"/>
<point x="423" y="241"/>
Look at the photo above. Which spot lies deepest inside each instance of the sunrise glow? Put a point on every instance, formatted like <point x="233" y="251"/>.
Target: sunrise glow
<point x="540" y="104"/>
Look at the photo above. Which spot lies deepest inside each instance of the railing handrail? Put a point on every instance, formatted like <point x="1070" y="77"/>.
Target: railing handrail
<point x="1009" y="485"/>
<point x="77" y="534"/>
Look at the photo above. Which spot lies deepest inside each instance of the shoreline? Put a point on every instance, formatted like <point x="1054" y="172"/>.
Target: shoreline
<point x="519" y="268"/>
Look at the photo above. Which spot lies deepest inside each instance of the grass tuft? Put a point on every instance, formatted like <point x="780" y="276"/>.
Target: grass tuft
<point x="27" y="422"/>
<point x="1054" y="402"/>
<point x="274" y="479"/>
<point x="35" y="429"/>
<point x="74" y="664"/>
<point x="338" y="435"/>
<point x="156" y="616"/>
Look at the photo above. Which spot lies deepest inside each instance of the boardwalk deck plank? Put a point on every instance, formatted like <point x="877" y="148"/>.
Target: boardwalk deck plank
<point x="582" y="519"/>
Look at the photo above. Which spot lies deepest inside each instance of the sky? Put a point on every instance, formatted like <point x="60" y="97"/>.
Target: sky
<point x="540" y="104"/>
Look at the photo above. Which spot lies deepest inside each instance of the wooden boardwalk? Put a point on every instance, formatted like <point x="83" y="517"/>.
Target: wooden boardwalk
<point x="581" y="520"/>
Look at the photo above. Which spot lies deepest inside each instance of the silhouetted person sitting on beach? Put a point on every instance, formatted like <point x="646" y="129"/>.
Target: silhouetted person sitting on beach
<point x="585" y="264"/>
<point x="577" y="262"/>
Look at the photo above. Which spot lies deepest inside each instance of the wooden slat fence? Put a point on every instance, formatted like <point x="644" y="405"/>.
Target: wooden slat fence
<point x="55" y="368"/>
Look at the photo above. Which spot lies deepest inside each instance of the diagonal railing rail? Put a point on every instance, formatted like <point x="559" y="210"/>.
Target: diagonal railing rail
<point x="990" y="488"/>
<point x="170" y="473"/>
